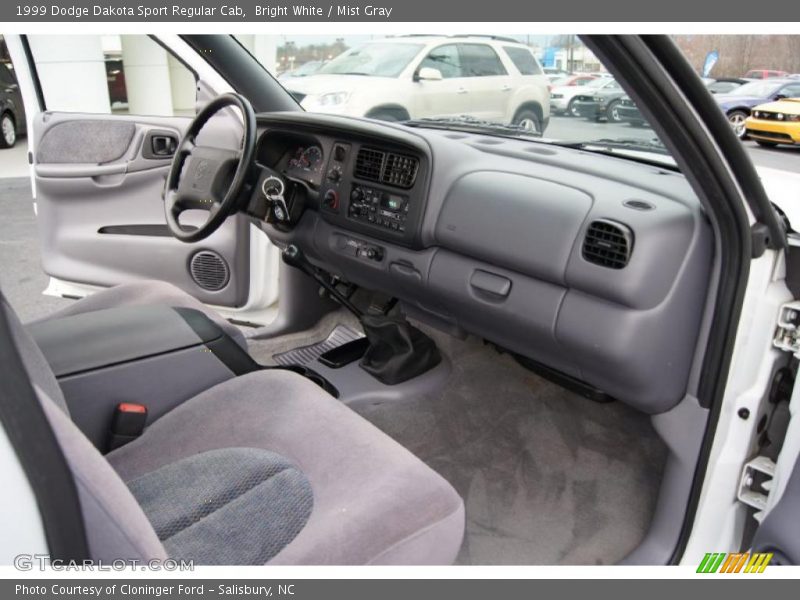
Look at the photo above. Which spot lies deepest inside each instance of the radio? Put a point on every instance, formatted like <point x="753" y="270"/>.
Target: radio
<point x="377" y="207"/>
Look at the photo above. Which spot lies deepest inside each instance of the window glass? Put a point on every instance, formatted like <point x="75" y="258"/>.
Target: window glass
<point x="480" y="60"/>
<point x="791" y="91"/>
<point x="523" y="59"/>
<point x="446" y="59"/>
<point x="380" y="59"/>
<point x="118" y="74"/>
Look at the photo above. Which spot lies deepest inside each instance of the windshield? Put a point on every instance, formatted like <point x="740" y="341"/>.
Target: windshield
<point x="375" y="60"/>
<point x="534" y="87"/>
<point x="759" y="89"/>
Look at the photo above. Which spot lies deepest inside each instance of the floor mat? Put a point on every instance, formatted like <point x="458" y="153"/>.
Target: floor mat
<point x="305" y="355"/>
<point x="547" y="476"/>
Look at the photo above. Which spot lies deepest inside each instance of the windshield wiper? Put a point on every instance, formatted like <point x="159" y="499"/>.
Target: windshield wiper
<point x="467" y="123"/>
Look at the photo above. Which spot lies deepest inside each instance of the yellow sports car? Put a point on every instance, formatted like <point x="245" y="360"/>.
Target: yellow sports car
<point x="775" y="122"/>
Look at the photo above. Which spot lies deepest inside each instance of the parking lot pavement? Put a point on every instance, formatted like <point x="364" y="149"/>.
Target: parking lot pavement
<point x="14" y="161"/>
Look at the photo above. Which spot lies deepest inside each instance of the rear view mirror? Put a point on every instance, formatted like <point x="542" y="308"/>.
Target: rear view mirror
<point x="429" y="74"/>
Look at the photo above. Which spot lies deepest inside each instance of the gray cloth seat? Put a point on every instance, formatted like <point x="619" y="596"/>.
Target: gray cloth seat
<point x="143" y="293"/>
<point x="266" y="467"/>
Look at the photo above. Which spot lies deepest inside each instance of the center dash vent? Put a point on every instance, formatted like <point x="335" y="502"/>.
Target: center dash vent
<point x="608" y="244"/>
<point x="390" y="168"/>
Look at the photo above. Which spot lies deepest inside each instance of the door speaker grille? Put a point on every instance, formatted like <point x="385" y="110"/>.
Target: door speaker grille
<point x="209" y="270"/>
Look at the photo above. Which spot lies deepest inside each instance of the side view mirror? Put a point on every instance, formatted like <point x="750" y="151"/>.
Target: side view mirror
<point x="780" y="96"/>
<point x="428" y="74"/>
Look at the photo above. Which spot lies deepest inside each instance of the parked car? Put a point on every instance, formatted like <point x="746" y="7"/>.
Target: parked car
<point x="12" y="110"/>
<point x="397" y="79"/>
<point x="562" y="98"/>
<point x="602" y="104"/>
<point x="570" y="80"/>
<point x="737" y="104"/>
<point x="724" y="85"/>
<point x="764" y="74"/>
<point x="775" y="123"/>
<point x="580" y="101"/>
<point x="629" y="112"/>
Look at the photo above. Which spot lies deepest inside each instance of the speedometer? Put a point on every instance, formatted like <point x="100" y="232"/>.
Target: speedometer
<point x="311" y="159"/>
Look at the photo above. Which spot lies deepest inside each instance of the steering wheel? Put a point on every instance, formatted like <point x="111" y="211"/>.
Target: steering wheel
<point x="208" y="178"/>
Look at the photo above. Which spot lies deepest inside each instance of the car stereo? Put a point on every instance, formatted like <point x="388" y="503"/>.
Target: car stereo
<point x="377" y="207"/>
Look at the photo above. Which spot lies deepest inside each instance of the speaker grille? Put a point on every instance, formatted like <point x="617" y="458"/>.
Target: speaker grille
<point x="209" y="270"/>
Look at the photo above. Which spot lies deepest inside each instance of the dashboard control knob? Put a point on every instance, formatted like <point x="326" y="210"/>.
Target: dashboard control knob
<point x="335" y="175"/>
<point x="331" y="199"/>
<point x="356" y="195"/>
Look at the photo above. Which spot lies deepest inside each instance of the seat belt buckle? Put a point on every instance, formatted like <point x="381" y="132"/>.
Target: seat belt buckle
<point x="127" y="424"/>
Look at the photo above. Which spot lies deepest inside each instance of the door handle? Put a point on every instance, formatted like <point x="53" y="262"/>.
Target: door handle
<point x="506" y="88"/>
<point x="163" y="145"/>
<point x="461" y="90"/>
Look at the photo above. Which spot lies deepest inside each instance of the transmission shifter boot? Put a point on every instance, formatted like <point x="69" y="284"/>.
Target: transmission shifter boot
<point x="397" y="351"/>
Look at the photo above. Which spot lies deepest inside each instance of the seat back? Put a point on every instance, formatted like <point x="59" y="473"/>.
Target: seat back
<point x="116" y="526"/>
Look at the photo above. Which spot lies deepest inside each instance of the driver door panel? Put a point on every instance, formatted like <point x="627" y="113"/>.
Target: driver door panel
<point x="100" y="212"/>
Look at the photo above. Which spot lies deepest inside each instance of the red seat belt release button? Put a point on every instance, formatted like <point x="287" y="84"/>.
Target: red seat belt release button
<point x="127" y="424"/>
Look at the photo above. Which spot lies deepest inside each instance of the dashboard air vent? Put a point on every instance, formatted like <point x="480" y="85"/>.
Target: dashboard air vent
<point x="209" y="270"/>
<point x="608" y="244"/>
<point x="400" y="170"/>
<point x="393" y="169"/>
<point x="369" y="164"/>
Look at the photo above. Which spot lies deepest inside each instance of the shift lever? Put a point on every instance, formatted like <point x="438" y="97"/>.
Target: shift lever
<point x="295" y="257"/>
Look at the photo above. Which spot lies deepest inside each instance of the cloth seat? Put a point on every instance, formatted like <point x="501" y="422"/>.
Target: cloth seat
<point x="373" y="501"/>
<point x="141" y="293"/>
<point x="266" y="467"/>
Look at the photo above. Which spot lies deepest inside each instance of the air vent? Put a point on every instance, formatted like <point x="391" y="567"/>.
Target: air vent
<point x="400" y="170"/>
<point x="209" y="270"/>
<point x="369" y="164"/>
<point x="608" y="244"/>
<point x="386" y="167"/>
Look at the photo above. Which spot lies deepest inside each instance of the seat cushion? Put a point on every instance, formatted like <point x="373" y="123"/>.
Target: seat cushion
<point x="373" y="501"/>
<point x="141" y="293"/>
<point x="232" y="506"/>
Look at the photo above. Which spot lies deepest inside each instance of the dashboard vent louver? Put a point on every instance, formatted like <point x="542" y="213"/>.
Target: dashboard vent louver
<point x="209" y="270"/>
<point x="390" y="168"/>
<point x="369" y="164"/>
<point x="608" y="244"/>
<point x="400" y="170"/>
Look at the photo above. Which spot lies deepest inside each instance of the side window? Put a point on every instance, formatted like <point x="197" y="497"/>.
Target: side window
<point x="446" y="59"/>
<point x="480" y="60"/>
<point x="525" y="62"/>
<point x="612" y="85"/>
<point x="791" y="91"/>
<point x="116" y="74"/>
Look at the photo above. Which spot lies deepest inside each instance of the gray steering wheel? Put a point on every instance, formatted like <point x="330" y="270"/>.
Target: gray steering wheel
<point x="208" y="178"/>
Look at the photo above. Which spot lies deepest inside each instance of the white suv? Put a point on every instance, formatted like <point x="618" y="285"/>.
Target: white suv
<point x="412" y="77"/>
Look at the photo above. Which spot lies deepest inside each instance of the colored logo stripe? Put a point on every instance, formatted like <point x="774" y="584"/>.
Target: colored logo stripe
<point x="735" y="562"/>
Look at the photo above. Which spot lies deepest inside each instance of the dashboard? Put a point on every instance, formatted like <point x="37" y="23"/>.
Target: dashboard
<point x="591" y="265"/>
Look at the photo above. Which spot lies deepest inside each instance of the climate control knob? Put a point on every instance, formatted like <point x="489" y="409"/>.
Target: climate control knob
<point x="356" y="195"/>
